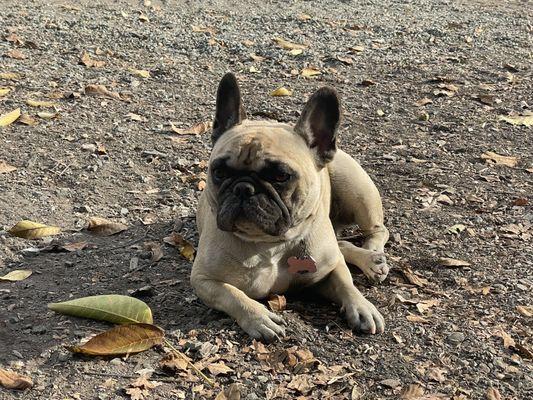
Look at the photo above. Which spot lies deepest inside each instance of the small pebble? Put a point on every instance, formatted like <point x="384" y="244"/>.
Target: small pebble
<point x="456" y="337"/>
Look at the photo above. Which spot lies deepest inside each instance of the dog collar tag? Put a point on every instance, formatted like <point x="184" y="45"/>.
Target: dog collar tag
<point x="301" y="266"/>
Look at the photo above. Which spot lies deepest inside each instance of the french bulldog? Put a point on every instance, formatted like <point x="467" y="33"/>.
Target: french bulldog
<point x="276" y="196"/>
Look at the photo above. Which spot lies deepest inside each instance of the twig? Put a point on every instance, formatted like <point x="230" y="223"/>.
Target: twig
<point x="200" y="373"/>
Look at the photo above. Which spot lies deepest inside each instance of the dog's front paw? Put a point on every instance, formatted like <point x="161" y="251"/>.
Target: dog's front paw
<point x="263" y="325"/>
<point x="376" y="268"/>
<point x="363" y="316"/>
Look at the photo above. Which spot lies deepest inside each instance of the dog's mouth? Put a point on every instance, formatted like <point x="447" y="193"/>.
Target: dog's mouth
<point x="249" y="206"/>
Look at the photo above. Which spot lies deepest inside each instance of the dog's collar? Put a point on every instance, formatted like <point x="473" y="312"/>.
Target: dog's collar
<point x="301" y="263"/>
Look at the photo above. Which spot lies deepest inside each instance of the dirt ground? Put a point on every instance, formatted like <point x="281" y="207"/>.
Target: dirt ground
<point x="452" y="332"/>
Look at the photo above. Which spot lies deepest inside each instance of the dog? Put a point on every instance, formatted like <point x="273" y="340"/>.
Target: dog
<point x="276" y="196"/>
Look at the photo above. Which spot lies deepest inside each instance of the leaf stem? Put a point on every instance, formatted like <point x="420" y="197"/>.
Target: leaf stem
<point x="200" y="373"/>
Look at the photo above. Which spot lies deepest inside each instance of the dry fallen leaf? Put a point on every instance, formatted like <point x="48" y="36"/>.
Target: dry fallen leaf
<point x="285" y="44"/>
<point x="520" y="202"/>
<point x="185" y="248"/>
<point x="437" y="374"/>
<point x="86" y="60"/>
<point x="12" y="380"/>
<point x="122" y="339"/>
<point x="412" y="391"/>
<point x="493" y="394"/>
<point x="526" y="120"/>
<point x="33" y="230"/>
<point x="140" y="72"/>
<point x="134" y="117"/>
<point x="27" y="119"/>
<point x="423" y="306"/>
<point x="452" y="262"/>
<point x="277" y="302"/>
<point x="413" y="278"/>
<point x="197" y="129"/>
<point x="423" y="102"/>
<point x="219" y="368"/>
<point x="308" y="72"/>
<point x="101" y="90"/>
<point x="139" y="389"/>
<point x="38" y="103"/>
<point x="16" y="54"/>
<point x="494" y="158"/>
<point x="4" y="91"/>
<point x="6" y="168"/>
<point x="104" y="227"/>
<point x="74" y="246"/>
<point x="175" y="362"/>
<point x="10" y="76"/>
<point x="47" y="115"/>
<point x="201" y="185"/>
<point x="16" y="275"/>
<point x="281" y="91"/>
<point x="10" y="117"/>
<point x="16" y="39"/>
<point x="526" y="311"/>
<point x="417" y="319"/>
<point x="300" y="383"/>
<point x="508" y="341"/>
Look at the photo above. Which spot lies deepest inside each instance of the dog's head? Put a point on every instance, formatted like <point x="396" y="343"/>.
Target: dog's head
<point x="264" y="176"/>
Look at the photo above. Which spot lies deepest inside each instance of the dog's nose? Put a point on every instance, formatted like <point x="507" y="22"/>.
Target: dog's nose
<point x="243" y="190"/>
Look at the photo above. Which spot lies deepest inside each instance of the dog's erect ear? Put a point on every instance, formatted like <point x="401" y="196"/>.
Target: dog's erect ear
<point x="230" y="111"/>
<point x="318" y="123"/>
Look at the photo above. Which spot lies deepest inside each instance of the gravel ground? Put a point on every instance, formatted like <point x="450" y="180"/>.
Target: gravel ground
<point x="452" y="332"/>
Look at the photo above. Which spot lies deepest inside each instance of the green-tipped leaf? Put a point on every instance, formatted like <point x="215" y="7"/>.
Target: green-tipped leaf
<point x="113" y="308"/>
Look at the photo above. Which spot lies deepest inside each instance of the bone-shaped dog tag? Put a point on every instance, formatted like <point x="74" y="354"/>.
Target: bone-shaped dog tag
<point x="304" y="265"/>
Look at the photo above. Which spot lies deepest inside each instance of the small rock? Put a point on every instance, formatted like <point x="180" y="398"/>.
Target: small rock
<point x="134" y="263"/>
<point x="124" y="211"/>
<point x="18" y="354"/>
<point x="424" y="116"/>
<point x="396" y="238"/>
<point x="116" y="361"/>
<point x="391" y="383"/>
<point x="85" y="209"/>
<point x="39" y="329"/>
<point x="456" y="337"/>
<point x="145" y="291"/>
<point x="88" y="147"/>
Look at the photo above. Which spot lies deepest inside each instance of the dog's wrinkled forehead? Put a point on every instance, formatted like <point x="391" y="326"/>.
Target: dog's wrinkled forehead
<point x="248" y="146"/>
<point x="250" y="151"/>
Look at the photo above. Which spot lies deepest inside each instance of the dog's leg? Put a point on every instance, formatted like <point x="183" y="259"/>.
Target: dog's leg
<point x="252" y="316"/>
<point x="372" y="263"/>
<point x="360" y="314"/>
<point x="359" y="203"/>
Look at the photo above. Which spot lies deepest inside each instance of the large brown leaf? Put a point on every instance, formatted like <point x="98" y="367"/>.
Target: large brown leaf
<point x="104" y="227"/>
<point x="122" y="339"/>
<point x="12" y="380"/>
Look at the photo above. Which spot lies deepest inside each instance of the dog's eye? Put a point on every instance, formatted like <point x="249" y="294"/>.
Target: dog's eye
<point x="281" y="177"/>
<point x="220" y="173"/>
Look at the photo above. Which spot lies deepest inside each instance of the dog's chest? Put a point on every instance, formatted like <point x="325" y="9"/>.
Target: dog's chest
<point x="265" y="273"/>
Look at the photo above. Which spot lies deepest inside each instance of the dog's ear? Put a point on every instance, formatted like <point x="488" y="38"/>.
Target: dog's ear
<point x="230" y="111"/>
<point x="318" y="123"/>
